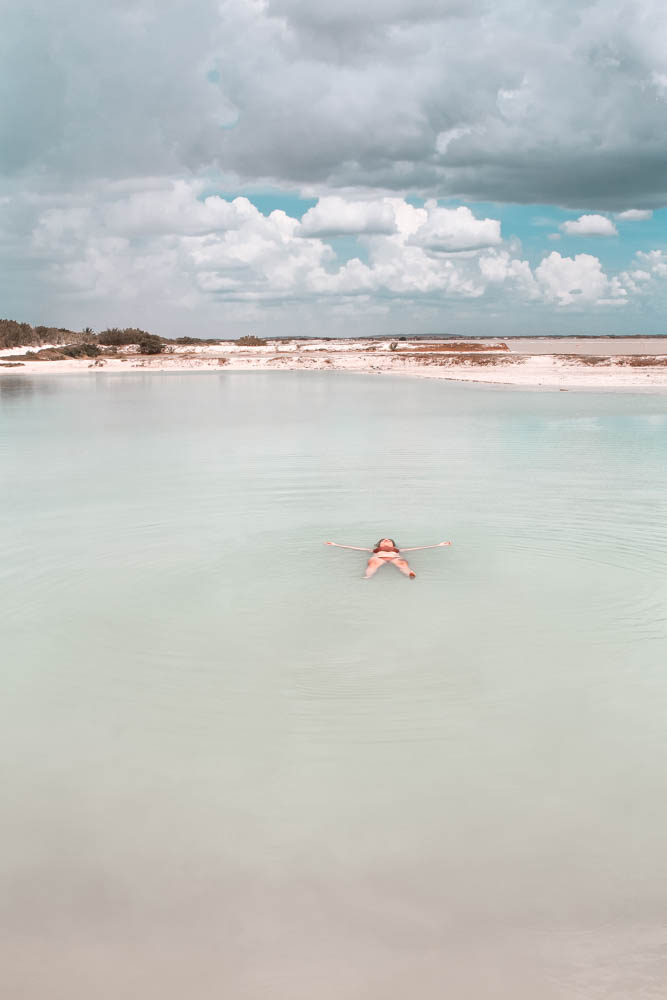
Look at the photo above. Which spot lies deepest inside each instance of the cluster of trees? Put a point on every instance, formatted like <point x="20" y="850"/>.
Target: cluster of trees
<point x="84" y="343"/>
<point x="13" y="334"/>
<point x="67" y="351"/>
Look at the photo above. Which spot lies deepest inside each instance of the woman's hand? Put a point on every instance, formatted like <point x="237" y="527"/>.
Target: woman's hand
<point x="444" y="543"/>
<point x="329" y="543"/>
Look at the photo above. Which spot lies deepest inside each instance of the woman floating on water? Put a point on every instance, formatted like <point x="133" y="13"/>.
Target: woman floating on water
<point x="386" y="551"/>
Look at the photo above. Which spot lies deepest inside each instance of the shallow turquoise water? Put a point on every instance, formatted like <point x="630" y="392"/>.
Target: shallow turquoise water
<point x="235" y="769"/>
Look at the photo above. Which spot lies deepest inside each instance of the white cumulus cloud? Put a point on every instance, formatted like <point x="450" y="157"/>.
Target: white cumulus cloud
<point x="655" y="261"/>
<point x="455" y="229"/>
<point x="499" y="267"/>
<point x="590" y="225"/>
<point x="648" y="278"/>
<point x="334" y="216"/>
<point x="135" y="254"/>
<point x="577" y="280"/>
<point x="181" y="246"/>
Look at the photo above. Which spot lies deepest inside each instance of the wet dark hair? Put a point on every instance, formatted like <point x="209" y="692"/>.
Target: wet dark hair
<point x="377" y="544"/>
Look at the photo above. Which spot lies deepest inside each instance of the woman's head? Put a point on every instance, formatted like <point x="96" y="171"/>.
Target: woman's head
<point x="385" y="543"/>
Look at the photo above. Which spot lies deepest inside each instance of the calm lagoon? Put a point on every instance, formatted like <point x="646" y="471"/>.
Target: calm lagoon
<point x="232" y="768"/>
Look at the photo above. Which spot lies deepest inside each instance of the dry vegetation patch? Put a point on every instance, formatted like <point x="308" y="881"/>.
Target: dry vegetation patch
<point x="585" y="359"/>
<point x="459" y="347"/>
<point x="463" y="359"/>
<point x="642" y="360"/>
<point x="626" y="360"/>
<point x="64" y="353"/>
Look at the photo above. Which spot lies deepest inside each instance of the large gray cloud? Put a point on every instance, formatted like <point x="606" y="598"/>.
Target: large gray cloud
<point x="548" y="102"/>
<point x="108" y="90"/>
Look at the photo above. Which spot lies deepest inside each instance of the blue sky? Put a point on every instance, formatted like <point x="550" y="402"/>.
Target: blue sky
<point x="405" y="165"/>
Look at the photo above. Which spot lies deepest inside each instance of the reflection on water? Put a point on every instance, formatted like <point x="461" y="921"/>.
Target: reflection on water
<point x="18" y="387"/>
<point x="233" y="763"/>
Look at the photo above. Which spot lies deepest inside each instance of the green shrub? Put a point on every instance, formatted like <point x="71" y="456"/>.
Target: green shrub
<point x="80" y="350"/>
<point x="115" y="337"/>
<point x="150" y="344"/>
<point x="185" y="341"/>
<point x="250" y="341"/>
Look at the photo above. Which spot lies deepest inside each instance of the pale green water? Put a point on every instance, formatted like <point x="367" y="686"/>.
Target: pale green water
<point x="232" y="769"/>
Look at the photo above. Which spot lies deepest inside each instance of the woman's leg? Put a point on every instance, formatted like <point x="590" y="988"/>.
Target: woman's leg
<point x="372" y="567"/>
<point x="404" y="567"/>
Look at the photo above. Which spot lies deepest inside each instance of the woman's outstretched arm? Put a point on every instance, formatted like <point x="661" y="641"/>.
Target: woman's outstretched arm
<point x="358" y="548"/>
<point x="415" y="548"/>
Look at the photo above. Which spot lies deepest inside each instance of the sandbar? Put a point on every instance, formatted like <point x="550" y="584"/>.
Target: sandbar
<point x="631" y="363"/>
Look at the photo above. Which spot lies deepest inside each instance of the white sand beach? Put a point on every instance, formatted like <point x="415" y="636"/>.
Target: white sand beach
<point x="555" y="363"/>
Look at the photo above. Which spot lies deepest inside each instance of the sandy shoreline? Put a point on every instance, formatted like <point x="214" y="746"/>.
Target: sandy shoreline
<point x="559" y="363"/>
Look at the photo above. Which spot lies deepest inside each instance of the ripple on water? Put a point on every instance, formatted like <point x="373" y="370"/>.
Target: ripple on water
<point x="182" y="656"/>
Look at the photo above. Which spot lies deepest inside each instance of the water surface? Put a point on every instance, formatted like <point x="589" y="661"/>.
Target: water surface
<point x="232" y="768"/>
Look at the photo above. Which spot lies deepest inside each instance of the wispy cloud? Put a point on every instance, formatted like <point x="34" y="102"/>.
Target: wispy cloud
<point x="635" y="215"/>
